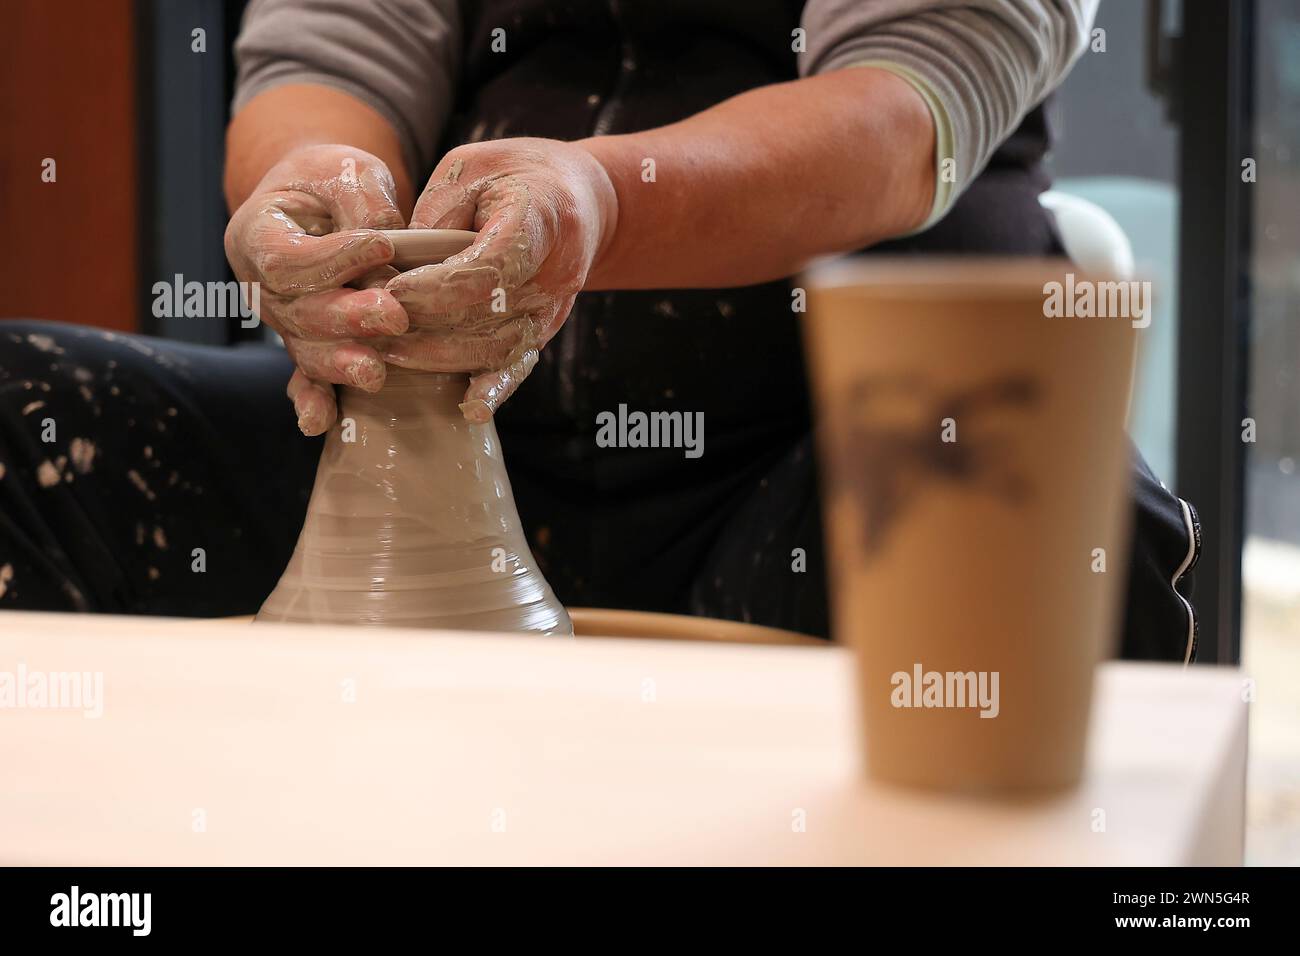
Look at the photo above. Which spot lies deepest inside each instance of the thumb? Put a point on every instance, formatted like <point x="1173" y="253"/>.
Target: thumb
<point x="445" y="202"/>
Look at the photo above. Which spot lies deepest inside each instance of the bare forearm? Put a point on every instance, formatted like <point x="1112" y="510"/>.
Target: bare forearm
<point x="752" y="189"/>
<point x="286" y="118"/>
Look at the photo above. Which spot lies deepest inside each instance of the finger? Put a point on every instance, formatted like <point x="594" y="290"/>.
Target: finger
<point x="508" y="251"/>
<point x="342" y="363"/>
<point x="313" y="403"/>
<point x="339" y="313"/>
<point x="456" y="286"/>
<point x="452" y="343"/>
<point x="375" y="278"/>
<point x="287" y="260"/>
<point x="453" y="352"/>
<point x="357" y="188"/>
<point x="485" y="316"/>
<point x="486" y="392"/>
<point x="446" y="202"/>
<point x="477" y="318"/>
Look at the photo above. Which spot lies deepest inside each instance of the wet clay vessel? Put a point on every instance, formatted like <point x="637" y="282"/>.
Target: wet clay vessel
<point x="412" y="523"/>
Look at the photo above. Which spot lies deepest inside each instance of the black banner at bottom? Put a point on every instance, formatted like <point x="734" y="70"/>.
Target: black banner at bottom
<point x="367" y="905"/>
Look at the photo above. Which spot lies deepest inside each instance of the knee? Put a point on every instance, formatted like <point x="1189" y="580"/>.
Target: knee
<point x="36" y="350"/>
<point x="51" y="386"/>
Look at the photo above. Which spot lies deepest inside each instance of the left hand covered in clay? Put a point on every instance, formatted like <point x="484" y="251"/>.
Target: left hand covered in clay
<point x="544" y="210"/>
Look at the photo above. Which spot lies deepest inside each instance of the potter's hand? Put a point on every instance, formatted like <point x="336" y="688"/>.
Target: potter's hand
<point x="543" y="210"/>
<point x="305" y="234"/>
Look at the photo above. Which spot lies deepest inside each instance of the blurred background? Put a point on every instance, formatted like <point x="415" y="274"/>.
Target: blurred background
<point x="1182" y="123"/>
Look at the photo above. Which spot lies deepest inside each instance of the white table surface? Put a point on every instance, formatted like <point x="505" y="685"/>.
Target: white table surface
<point x="483" y="749"/>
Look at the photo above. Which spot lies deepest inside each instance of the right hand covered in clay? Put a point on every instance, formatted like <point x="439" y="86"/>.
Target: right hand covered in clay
<point x="306" y="235"/>
<point x="543" y="210"/>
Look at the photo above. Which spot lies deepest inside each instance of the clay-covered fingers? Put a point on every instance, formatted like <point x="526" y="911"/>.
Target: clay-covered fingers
<point x="339" y="363"/>
<point x="336" y="314"/>
<point x="313" y="403"/>
<point x="487" y="391"/>
<point x="543" y="210"/>
<point x="457" y="352"/>
<point x="376" y="278"/>
<point x="356" y="187"/>
<point x="510" y="248"/>
<point x="528" y="300"/>
<point x="309" y="237"/>
<point x="267" y="246"/>
<point x="474" y="318"/>
<point x="450" y="199"/>
<point x="478" y="339"/>
<point x="312" y="224"/>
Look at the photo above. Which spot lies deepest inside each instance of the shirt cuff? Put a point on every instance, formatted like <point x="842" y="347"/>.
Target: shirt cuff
<point x="945" y="178"/>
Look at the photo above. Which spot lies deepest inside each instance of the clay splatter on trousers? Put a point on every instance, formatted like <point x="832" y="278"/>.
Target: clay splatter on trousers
<point x="138" y="480"/>
<point x="47" y="373"/>
<point x="50" y="473"/>
<point x="44" y="343"/>
<point x="82" y="452"/>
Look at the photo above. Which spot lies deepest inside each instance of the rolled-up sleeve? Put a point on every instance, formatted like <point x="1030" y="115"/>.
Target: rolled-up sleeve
<point x="401" y="57"/>
<point x="980" y="65"/>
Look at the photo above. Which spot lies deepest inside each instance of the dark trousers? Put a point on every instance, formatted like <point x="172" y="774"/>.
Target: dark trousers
<point x="150" y="477"/>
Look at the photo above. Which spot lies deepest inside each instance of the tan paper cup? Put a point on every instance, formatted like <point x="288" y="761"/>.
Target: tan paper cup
<point x="974" y="471"/>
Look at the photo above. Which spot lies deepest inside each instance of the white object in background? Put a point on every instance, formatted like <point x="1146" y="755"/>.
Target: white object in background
<point x="1271" y="570"/>
<point x="1092" y="237"/>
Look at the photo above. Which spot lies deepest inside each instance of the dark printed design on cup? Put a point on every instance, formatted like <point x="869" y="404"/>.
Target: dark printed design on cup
<point x="907" y="435"/>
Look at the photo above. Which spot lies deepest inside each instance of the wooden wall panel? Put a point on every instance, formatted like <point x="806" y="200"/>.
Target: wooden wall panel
<point x="68" y="249"/>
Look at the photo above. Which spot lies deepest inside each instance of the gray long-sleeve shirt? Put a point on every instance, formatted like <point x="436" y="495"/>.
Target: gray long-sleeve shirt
<point x="980" y="65"/>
